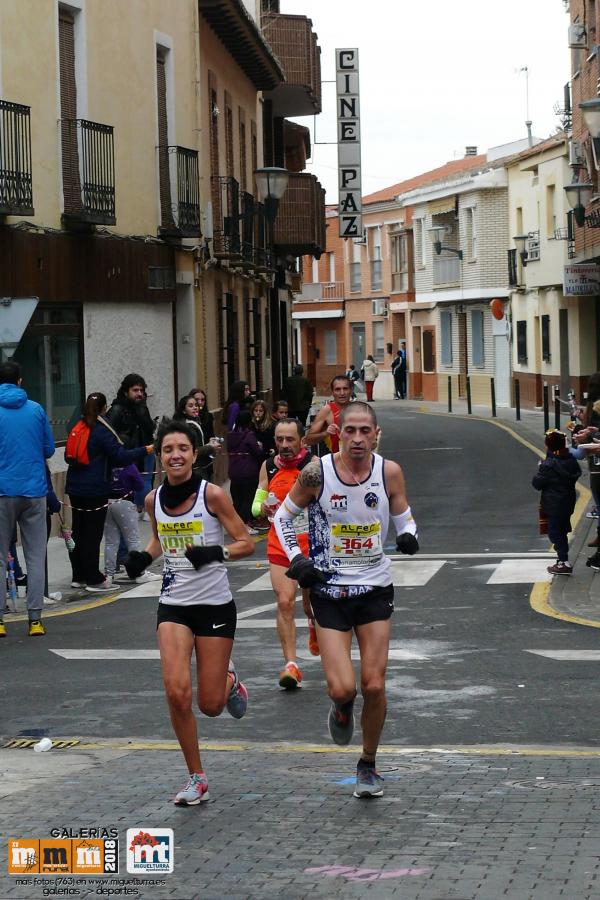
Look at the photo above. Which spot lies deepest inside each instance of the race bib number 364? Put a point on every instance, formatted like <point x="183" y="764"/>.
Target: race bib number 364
<point x="355" y="545"/>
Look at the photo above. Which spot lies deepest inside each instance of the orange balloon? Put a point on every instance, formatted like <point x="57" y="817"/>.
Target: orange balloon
<point x="497" y="308"/>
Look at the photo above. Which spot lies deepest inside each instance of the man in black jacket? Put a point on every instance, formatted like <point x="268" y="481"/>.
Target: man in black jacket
<point x="129" y="417"/>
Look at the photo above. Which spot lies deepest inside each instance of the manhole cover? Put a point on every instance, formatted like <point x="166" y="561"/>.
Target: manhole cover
<point x="552" y="784"/>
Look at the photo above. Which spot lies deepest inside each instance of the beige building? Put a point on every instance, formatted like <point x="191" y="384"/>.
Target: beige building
<point x="554" y="339"/>
<point x="129" y="134"/>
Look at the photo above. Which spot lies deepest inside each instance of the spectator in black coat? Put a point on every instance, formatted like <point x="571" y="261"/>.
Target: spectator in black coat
<point x="556" y="478"/>
<point x="89" y="487"/>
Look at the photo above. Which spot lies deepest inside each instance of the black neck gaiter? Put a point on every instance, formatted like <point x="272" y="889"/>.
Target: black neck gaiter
<point x="173" y="495"/>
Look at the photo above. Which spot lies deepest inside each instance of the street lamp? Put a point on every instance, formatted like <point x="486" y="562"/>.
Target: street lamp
<point x="579" y="195"/>
<point x="520" y="242"/>
<point x="437" y="232"/>
<point x="271" y="185"/>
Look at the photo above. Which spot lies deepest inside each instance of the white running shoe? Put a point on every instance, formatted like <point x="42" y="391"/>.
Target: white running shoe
<point x="147" y="576"/>
<point x="106" y="585"/>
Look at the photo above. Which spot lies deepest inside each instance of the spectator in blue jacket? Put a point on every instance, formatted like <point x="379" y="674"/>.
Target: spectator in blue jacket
<point x="25" y="443"/>
<point x="89" y="487"/>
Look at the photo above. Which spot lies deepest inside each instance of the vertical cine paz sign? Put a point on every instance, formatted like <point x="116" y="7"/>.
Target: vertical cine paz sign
<point x="348" y="123"/>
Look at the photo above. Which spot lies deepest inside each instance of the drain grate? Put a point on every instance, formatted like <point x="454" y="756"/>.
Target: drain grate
<point x="554" y="784"/>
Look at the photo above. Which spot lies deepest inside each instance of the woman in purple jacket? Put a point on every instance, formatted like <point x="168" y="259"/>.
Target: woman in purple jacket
<point x="245" y="459"/>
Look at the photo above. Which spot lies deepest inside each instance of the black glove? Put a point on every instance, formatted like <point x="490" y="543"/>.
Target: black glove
<point x="304" y="572"/>
<point x="137" y="561"/>
<point x="201" y="556"/>
<point x="407" y="543"/>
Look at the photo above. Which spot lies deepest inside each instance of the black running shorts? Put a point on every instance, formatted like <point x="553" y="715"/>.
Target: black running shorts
<point x="202" y="619"/>
<point x="346" y="612"/>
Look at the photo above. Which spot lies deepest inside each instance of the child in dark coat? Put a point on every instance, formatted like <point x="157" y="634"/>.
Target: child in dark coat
<point x="556" y="478"/>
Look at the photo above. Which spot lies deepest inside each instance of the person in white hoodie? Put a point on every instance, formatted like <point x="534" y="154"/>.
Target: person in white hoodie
<point x="370" y="375"/>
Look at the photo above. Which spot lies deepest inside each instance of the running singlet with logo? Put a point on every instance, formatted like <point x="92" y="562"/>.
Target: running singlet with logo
<point x="348" y="525"/>
<point x="182" y="585"/>
<point x="281" y="481"/>
<point x="333" y="440"/>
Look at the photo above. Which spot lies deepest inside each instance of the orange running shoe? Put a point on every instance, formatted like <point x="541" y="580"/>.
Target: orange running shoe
<point x="313" y="641"/>
<point x="290" y="677"/>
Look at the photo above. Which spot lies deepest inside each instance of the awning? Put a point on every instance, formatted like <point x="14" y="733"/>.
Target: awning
<point x="320" y="314"/>
<point x="445" y="205"/>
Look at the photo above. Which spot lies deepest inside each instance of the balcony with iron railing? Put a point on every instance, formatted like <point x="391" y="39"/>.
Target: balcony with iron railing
<point x="300" y="223"/>
<point x="226" y="217"/>
<point x="247" y="229"/>
<point x="88" y="166"/>
<point x="294" y="43"/>
<point x="179" y="192"/>
<point x="263" y="256"/>
<point x="16" y="195"/>
<point x="321" y="290"/>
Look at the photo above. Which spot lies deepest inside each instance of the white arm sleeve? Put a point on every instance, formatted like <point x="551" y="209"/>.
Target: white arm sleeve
<point x="284" y="527"/>
<point x="404" y="522"/>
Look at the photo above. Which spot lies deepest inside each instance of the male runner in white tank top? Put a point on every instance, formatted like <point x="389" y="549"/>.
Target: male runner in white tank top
<point x="196" y="612"/>
<point x="350" y="497"/>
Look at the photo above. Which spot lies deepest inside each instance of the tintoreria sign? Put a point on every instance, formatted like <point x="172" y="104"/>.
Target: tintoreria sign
<point x="348" y="119"/>
<point x="581" y="280"/>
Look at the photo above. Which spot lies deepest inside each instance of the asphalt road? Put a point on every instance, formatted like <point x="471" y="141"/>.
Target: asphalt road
<point x="462" y="670"/>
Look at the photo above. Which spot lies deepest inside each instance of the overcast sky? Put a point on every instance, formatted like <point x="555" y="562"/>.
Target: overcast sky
<point x="435" y="77"/>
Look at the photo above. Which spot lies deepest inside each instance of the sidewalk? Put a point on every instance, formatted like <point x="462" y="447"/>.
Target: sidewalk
<point x="576" y="598"/>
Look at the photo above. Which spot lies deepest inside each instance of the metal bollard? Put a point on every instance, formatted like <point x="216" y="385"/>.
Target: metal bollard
<point x="493" y="390"/>
<point x="518" y="399"/>
<point x="449" y="393"/>
<point x="469" y="407"/>
<point x="546" y="408"/>
<point x="557" y="410"/>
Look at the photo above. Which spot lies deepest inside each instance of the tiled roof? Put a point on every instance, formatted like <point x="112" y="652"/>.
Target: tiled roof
<point x="455" y="167"/>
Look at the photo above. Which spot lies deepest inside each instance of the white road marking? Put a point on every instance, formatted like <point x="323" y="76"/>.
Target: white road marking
<point x="414" y="572"/>
<point x="255" y="611"/>
<point x="149" y="589"/>
<point x="569" y="655"/>
<point x="520" y="571"/>
<point x="107" y="654"/>
<point x="263" y="583"/>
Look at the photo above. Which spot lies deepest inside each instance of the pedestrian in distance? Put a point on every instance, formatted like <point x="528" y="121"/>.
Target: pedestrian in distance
<point x="122" y="521"/>
<point x="130" y="418"/>
<point x="399" y="372"/>
<point x="326" y="424"/>
<point x="93" y="448"/>
<point x="245" y="458"/>
<point x="26" y="442"/>
<point x="196" y="611"/>
<point x="354" y="378"/>
<point x="369" y="374"/>
<point x="277" y="477"/>
<point x="280" y="410"/>
<point x="187" y="410"/>
<point x="238" y="399"/>
<point x="556" y="478"/>
<point x="350" y="496"/>
<point x="263" y="426"/>
<point x="298" y="391"/>
<point x="206" y="421"/>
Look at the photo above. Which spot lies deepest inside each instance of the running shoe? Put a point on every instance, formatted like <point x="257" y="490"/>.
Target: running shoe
<point x="368" y="782"/>
<point x="593" y="513"/>
<point x="560" y="568"/>
<point x="36" y="629"/>
<point x="290" y="677"/>
<point x="594" y="562"/>
<point x="252" y="531"/>
<point x="2" y="629"/>
<point x="341" y="723"/>
<point x="78" y="584"/>
<point x="313" y="641"/>
<point x="195" y="791"/>
<point x="237" y="702"/>
<point x="147" y="576"/>
<point x="106" y="585"/>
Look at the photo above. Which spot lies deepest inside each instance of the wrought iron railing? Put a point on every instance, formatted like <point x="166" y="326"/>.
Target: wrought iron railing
<point x="180" y="166"/>
<point x="88" y="171"/>
<point x="247" y="226"/>
<point x="226" y="216"/>
<point x="263" y="257"/>
<point x="16" y="194"/>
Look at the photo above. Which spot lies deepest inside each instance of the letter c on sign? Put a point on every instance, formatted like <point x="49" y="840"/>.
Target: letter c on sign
<point x="346" y="60"/>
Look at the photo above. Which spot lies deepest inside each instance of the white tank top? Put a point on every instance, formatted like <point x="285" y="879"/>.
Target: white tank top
<point x="182" y="585"/>
<point x="348" y="525"/>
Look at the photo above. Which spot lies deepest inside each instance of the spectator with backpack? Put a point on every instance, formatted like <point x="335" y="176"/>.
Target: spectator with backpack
<point x="91" y="451"/>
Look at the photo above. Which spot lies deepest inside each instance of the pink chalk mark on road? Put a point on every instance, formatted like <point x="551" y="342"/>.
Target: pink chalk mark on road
<point x="354" y="874"/>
